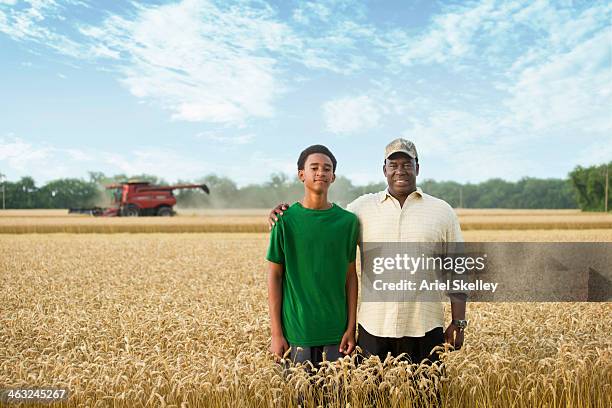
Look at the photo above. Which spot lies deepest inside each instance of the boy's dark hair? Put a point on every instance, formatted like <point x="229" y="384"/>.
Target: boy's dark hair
<point x="312" y="150"/>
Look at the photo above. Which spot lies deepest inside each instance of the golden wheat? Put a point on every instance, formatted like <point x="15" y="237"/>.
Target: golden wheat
<point x="181" y="320"/>
<point x="254" y="220"/>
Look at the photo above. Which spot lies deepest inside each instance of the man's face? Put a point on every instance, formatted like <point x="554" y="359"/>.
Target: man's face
<point x="318" y="172"/>
<point x="401" y="171"/>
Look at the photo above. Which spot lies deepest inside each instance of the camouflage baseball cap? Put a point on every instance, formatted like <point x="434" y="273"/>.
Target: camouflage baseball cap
<point x="401" y="145"/>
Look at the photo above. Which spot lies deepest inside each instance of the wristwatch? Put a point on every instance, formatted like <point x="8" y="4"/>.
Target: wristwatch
<point x="461" y="324"/>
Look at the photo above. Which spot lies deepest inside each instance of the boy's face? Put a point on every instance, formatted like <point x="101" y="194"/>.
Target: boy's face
<point x="318" y="172"/>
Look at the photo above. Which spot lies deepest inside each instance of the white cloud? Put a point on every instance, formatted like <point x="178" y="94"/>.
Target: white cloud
<point x="32" y="22"/>
<point x="171" y="165"/>
<point x="352" y="114"/>
<point x="338" y="44"/>
<point x="225" y="140"/>
<point x="200" y="61"/>
<point x="306" y="12"/>
<point x="458" y="145"/>
<point x="447" y="130"/>
<point x="267" y="164"/>
<point x="449" y="37"/>
<point x="41" y="160"/>
<point x="19" y="154"/>
<point x="205" y="61"/>
<point x="495" y="33"/>
<point x="476" y="163"/>
<point x="571" y="89"/>
<point x="45" y="162"/>
<point x="595" y="153"/>
<point x="79" y="155"/>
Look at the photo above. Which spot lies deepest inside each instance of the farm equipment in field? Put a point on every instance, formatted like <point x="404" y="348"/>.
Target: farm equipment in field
<point x="133" y="199"/>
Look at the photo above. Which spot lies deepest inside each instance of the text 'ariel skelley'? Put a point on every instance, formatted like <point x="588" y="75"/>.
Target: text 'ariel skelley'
<point x="425" y="285"/>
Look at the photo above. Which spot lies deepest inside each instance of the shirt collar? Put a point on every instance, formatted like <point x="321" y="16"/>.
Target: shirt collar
<point x="383" y="195"/>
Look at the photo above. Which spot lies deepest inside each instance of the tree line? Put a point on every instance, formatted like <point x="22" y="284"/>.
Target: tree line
<point x="585" y="188"/>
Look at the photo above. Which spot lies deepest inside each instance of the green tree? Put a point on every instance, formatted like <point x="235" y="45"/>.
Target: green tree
<point x="66" y="193"/>
<point x="585" y="188"/>
<point x="589" y="185"/>
<point x="22" y="194"/>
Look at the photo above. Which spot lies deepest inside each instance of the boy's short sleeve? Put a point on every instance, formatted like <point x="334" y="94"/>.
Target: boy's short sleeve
<point x="276" y="253"/>
<point x="354" y="239"/>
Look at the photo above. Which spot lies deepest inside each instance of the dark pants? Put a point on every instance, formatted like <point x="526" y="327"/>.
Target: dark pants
<point x="314" y="354"/>
<point x="416" y="348"/>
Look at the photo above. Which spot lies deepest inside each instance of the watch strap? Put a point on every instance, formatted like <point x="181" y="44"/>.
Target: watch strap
<point x="460" y="323"/>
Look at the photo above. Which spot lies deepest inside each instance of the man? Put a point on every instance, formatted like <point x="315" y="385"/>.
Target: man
<point x="312" y="281"/>
<point x="403" y="213"/>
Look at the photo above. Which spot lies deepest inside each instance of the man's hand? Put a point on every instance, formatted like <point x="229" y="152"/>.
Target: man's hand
<point x="278" y="210"/>
<point x="279" y="346"/>
<point x="454" y="336"/>
<point x="347" y="345"/>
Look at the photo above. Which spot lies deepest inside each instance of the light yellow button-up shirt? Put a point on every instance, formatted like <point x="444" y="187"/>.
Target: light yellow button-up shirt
<point x="423" y="218"/>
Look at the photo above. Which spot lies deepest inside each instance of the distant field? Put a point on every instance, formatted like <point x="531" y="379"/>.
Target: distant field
<point x="494" y="219"/>
<point x="246" y="212"/>
<point x="254" y="220"/>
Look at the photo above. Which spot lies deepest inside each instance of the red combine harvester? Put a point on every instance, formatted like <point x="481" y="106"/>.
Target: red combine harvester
<point x="133" y="199"/>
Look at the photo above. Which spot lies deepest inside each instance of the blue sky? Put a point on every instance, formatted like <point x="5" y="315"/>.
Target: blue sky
<point x="182" y="89"/>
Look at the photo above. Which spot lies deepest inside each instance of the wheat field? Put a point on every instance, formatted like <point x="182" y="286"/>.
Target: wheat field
<point x="172" y="319"/>
<point x="254" y="220"/>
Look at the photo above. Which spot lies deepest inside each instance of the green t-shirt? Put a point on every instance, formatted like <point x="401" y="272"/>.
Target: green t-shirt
<point x="315" y="247"/>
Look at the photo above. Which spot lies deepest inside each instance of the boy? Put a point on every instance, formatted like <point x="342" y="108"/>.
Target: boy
<point x="312" y="282"/>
